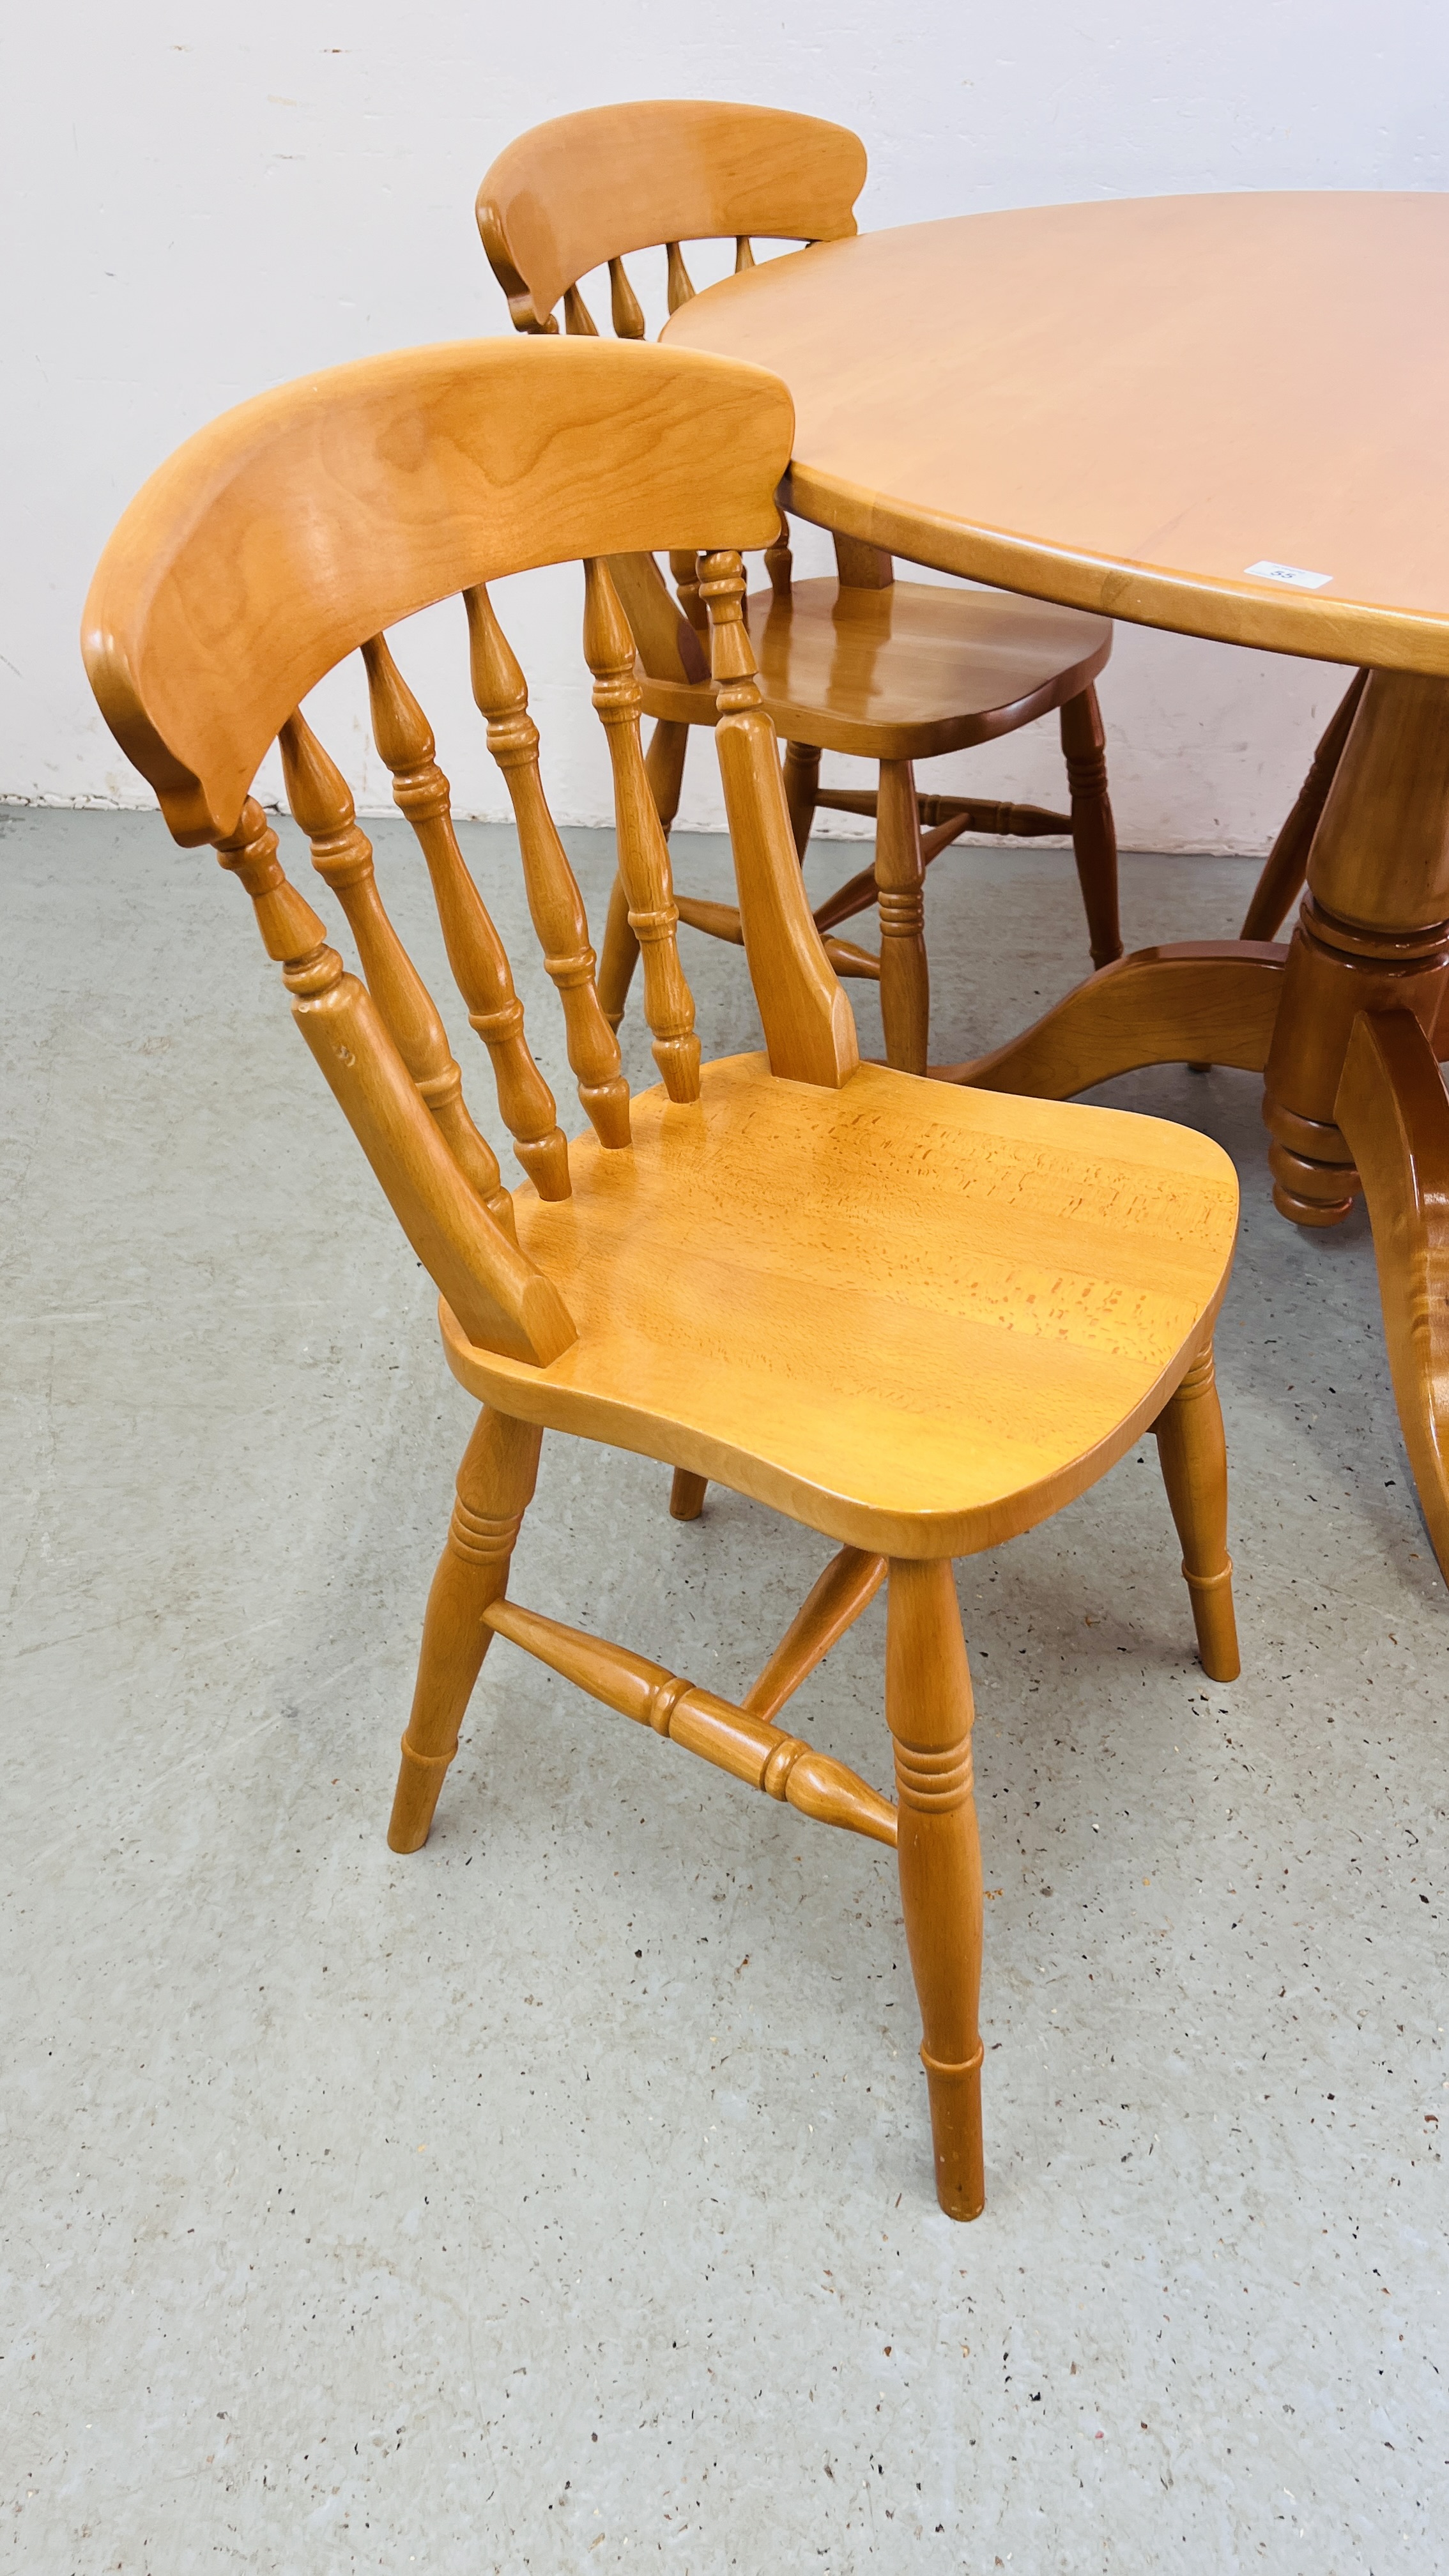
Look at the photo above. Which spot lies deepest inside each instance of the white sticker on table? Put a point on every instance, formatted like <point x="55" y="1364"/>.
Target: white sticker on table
<point x="1293" y="574"/>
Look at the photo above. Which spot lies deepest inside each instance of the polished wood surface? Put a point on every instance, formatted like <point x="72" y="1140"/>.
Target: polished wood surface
<point x="863" y="665"/>
<point x="916" y="1318"/>
<point x="1194" y="1458"/>
<point x="583" y="191"/>
<point x="929" y="1712"/>
<point x="732" y="1738"/>
<point x="1124" y="406"/>
<point x="459" y="464"/>
<point x="1286" y="865"/>
<point x="1010" y="1286"/>
<point x="907" y="672"/>
<point x="1393" y="1112"/>
<point x="1250" y="393"/>
<point x="848" y="1585"/>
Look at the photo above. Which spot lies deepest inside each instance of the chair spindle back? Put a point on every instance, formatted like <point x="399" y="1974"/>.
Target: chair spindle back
<point x="578" y="193"/>
<point x="296" y="530"/>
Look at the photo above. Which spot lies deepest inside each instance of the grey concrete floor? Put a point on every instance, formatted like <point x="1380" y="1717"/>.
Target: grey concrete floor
<point x="560" y="2198"/>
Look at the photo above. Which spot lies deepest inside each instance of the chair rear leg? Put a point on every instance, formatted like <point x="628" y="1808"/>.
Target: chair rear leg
<point x="905" y="983"/>
<point x="802" y="785"/>
<point x="1194" y="1459"/>
<point x="1094" y="834"/>
<point x="664" y="769"/>
<point x="495" y="1488"/>
<point x="928" y="1711"/>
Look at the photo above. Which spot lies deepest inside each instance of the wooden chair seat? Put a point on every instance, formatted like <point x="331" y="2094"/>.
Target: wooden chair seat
<point x="903" y="673"/>
<point x="916" y="1318"/>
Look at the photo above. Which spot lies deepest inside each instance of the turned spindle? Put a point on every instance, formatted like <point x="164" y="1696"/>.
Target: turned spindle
<point x="810" y="1031"/>
<point x="554" y="901"/>
<point x="321" y="802"/>
<point x="476" y="954"/>
<point x="643" y="858"/>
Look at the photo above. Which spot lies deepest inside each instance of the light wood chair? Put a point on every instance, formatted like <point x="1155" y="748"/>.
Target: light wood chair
<point x="888" y="671"/>
<point x="913" y="1318"/>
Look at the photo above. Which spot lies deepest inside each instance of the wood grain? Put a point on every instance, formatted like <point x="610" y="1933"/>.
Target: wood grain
<point x="904" y="673"/>
<point x="1202" y="1001"/>
<point x="1131" y="403"/>
<point x="938" y="1852"/>
<point x="731" y="1738"/>
<point x="585" y="189"/>
<point x="324" y="512"/>
<point x="915" y="1318"/>
<point x="1394" y="1115"/>
<point x="1194" y="1460"/>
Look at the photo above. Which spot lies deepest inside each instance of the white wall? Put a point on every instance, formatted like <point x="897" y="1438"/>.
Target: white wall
<point x="208" y="199"/>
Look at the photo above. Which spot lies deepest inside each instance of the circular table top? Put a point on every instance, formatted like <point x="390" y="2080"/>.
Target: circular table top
<point x="1227" y="415"/>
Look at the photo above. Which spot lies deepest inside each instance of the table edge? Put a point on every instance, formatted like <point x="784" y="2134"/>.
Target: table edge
<point x="1224" y="612"/>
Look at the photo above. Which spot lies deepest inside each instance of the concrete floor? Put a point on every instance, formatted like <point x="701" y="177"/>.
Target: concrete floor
<point x="459" y="2212"/>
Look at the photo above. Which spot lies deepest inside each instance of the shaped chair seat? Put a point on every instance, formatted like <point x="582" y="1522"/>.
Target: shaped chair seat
<point x="882" y="671"/>
<point x="905" y="672"/>
<point x="917" y="1322"/>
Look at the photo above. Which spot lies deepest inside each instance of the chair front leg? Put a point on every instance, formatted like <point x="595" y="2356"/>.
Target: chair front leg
<point x="1194" y="1460"/>
<point x="905" y="983"/>
<point x="664" y="769"/>
<point x="495" y="1488"/>
<point x="928" y="1711"/>
<point x="1094" y="834"/>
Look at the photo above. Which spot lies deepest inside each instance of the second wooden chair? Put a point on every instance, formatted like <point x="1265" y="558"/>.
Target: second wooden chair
<point x="881" y="670"/>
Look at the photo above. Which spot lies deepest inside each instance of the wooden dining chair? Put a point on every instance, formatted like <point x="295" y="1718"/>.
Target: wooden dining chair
<point x="891" y="672"/>
<point x="914" y="1318"/>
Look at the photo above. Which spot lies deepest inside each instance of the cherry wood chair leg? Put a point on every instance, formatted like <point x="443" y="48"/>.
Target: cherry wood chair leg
<point x="1286" y="866"/>
<point x="905" y="984"/>
<point x="495" y="1488"/>
<point x="1194" y="1461"/>
<point x="1094" y="834"/>
<point x="664" y="769"/>
<point x="802" y="787"/>
<point x="928" y="1711"/>
<point x="686" y="1494"/>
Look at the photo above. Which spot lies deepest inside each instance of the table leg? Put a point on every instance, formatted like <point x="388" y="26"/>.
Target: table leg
<point x="1393" y="1111"/>
<point x="1202" y="1001"/>
<point x="1373" y="933"/>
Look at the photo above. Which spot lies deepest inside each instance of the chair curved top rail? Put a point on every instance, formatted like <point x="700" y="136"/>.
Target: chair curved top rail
<point x="295" y="527"/>
<point x="300" y="527"/>
<point x="580" y="190"/>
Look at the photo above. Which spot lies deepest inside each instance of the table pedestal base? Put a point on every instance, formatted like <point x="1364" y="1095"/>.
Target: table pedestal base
<point x="1346" y="1024"/>
<point x="1335" y="970"/>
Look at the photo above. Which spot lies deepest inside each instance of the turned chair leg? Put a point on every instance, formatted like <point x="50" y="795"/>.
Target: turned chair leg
<point x="928" y="1711"/>
<point x="1194" y="1461"/>
<point x="664" y="769"/>
<point x="686" y="1494"/>
<point x="802" y="785"/>
<point x="495" y="1488"/>
<point x="905" y="984"/>
<point x="1094" y="834"/>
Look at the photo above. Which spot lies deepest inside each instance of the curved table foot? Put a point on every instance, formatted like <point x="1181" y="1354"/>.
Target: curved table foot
<point x="1204" y="1001"/>
<point x="1393" y="1109"/>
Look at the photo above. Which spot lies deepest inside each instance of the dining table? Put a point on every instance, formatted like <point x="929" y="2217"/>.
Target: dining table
<point x="1225" y="416"/>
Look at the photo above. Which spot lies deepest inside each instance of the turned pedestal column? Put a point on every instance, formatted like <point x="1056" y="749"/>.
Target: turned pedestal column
<point x="1373" y="934"/>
